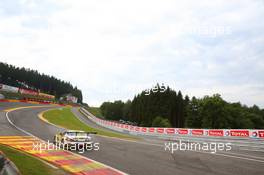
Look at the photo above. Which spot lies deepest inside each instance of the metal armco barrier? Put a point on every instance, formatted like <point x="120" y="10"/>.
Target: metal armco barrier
<point x="135" y="130"/>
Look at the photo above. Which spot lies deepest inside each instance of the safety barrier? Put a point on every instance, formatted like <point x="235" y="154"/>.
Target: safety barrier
<point x="155" y="131"/>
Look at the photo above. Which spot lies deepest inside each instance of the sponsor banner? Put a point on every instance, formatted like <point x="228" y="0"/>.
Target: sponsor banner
<point x="239" y="133"/>
<point x="7" y="88"/>
<point x="27" y="91"/>
<point x="170" y="130"/>
<point x="183" y="131"/>
<point x="151" y="130"/>
<point x="261" y="134"/>
<point x="216" y="132"/>
<point x="137" y="129"/>
<point x="143" y="129"/>
<point x="197" y="132"/>
<point x="160" y="130"/>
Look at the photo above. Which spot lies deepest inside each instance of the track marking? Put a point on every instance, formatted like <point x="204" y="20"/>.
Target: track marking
<point x="26" y="107"/>
<point x="28" y="133"/>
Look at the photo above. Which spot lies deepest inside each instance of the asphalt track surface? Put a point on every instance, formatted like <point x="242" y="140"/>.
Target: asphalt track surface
<point x="144" y="157"/>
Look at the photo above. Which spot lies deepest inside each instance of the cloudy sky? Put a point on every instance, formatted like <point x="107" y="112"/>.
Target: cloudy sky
<point x="113" y="49"/>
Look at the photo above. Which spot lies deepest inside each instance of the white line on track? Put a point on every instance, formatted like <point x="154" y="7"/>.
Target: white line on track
<point x="28" y="133"/>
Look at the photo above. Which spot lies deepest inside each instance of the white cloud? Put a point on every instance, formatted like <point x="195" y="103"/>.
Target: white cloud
<point x="112" y="49"/>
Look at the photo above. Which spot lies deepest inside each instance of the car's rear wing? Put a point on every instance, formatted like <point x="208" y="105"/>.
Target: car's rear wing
<point x="92" y="132"/>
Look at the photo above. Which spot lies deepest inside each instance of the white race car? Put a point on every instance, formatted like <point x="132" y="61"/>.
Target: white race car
<point x="71" y="138"/>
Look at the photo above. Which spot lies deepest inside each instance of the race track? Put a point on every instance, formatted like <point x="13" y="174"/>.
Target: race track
<point x="143" y="157"/>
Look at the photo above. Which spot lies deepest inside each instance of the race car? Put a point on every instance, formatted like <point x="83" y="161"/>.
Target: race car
<point x="70" y="138"/>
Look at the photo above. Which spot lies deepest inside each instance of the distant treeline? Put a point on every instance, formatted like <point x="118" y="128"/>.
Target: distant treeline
<point x="32" y="79"/>
<point x="169" y="108"/>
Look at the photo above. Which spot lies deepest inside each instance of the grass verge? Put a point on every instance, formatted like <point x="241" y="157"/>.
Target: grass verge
<point x="65" y="118"/>
<point x="27" y="164"/>
<point x="96" y="111"/>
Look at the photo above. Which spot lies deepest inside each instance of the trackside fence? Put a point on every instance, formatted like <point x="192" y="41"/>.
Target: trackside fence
<point x="155" y="131"/>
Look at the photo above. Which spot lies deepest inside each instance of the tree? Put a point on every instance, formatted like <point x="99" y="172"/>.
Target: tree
<point x="207" y="112"/>
<point x="32" y="79"/>
<point x="161" y="122"/>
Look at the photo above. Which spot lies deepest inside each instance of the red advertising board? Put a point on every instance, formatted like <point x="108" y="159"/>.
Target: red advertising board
<point x="239" y="133"/>
<point x="137" y="129"/>
<point x="183" y="131"/>
<point x="160" y="130"/>
<point x="261" y="134"/>
<point x="151" y="129"/>
<point x="144" y="129"/>
<point x="197" y="132"/>
<point x="27" y="91"/>
<point x="170" y="130"/>
<point x="217" y="132"/>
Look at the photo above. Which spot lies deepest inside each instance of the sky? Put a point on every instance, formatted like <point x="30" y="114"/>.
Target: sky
<point x="114" y="49"/>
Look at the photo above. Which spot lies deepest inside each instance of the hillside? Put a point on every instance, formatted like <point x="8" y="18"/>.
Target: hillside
<point x="32" y="79"/>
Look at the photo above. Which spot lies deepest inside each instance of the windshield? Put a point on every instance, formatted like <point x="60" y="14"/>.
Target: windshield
<point x="78" y="134"/>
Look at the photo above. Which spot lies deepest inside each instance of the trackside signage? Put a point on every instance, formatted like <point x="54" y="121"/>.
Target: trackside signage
<point x="261" y="134"/>
<point x="170" y="130"/>
<point x="247" y="133"/>
<point x="7" y="88"/>
<point x="216" y="132"/>
<point x="144" y="129"/>
<point x="183" y="131"/>
<point x="151" y="130"/>
<point x="197" y="132"/>
<point x="239" y="133"/>
<point x="160" y="130"/>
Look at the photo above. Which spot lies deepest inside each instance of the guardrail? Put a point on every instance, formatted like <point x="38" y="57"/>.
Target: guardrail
<point x="155" y="131"/>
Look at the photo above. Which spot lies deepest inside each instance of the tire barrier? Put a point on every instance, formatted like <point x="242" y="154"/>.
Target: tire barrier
<point x="155" y="131"/>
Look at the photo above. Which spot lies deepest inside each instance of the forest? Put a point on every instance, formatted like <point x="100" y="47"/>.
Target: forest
<point x="32" y="79"/>
<point x="170" y="108"/>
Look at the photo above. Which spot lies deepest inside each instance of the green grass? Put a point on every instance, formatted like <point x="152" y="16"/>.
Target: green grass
<point x="65" y="118"/>
<point x="96" y="111"/>
<point x="27" y="164"/>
